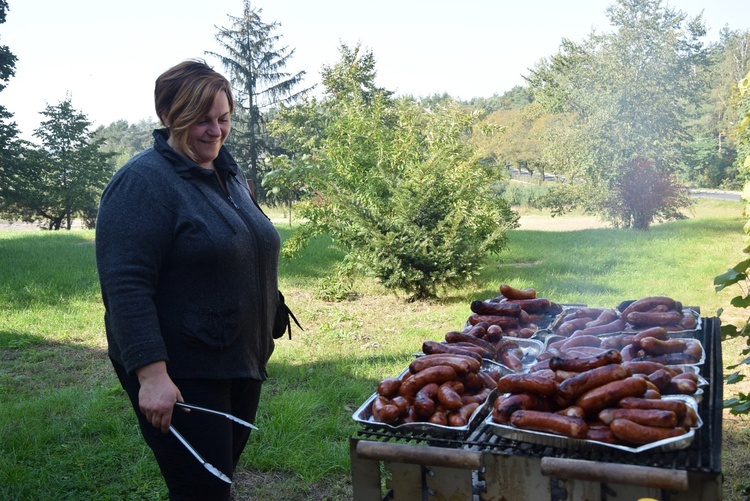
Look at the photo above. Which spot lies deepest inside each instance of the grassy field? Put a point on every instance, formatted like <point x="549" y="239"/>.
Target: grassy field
<point x="67" y="431"/>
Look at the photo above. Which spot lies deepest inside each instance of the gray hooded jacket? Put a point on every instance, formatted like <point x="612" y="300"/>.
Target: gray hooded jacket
<point x="187" y="273"/>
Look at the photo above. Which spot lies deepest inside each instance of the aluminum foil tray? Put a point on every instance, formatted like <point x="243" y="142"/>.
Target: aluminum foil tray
<point x="551" y="329"/>
<point x="561" y="442"/>
<point x="531" y="349"/>
<point x="542" y="323"/>
<point x="551" y="338"/>
<point x="363" y="416"/>
<point x="702" y="360"/>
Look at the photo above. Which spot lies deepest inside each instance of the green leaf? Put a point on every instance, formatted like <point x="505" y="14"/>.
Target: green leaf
<point x="743" y="362"/>
<point x="729" y="331"/>
<point x="724" y="280"/>
<point x="743" y="408"/>
<point x="729" y="403"/>
<point x="734" y="378"/>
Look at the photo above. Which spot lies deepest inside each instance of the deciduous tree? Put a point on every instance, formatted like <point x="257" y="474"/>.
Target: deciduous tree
<point x="629" y="92"/>
<point x="64" y="177"/>
<point x="8" y="131"/>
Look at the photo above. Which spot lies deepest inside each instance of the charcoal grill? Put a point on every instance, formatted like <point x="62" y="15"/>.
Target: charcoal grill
<point x="484" y="466"/>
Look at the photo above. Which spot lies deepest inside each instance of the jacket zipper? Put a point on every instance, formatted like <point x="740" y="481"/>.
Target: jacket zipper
<point x="259" y="251"/>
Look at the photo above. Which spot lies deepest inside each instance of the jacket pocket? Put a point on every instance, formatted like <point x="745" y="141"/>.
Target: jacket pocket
<point x="213" y="329"/>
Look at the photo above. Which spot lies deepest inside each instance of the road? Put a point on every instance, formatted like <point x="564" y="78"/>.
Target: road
<point x="721" y="195"/>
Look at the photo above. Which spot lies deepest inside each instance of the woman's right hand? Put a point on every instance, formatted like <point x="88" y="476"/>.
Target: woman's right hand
<point x="157" y="395"/>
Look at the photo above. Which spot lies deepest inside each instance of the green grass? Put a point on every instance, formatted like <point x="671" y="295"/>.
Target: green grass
<point x="67" y="430"/>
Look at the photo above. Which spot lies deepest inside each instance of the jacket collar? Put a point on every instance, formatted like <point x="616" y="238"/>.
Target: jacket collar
<point x="188" y="168"/>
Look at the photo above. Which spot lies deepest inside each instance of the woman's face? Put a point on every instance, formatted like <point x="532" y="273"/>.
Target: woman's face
<point x="208" y="135"/>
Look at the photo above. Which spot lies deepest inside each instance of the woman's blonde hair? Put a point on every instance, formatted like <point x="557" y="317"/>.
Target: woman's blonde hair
<point x="184" y="94"/>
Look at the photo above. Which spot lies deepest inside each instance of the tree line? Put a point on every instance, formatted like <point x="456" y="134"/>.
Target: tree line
<point x="411" y="188"/>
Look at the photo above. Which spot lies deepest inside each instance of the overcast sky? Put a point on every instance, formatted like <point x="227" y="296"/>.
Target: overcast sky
<point x="106" y="55"/>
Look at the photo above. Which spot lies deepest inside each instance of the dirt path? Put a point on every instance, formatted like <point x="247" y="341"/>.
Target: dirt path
<point x="564" y="223"/>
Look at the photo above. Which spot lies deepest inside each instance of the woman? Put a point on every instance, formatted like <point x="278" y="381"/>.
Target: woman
<point x="188" y="270"/>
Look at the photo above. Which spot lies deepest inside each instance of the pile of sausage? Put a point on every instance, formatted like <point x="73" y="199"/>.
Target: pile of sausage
<point x="598" y="398"/>
<point x="603" y="380"/>
<point x="652" y="345"/>
<point x="480" y="343"/>
<point x="644" y="313"/>
<point x="441" y="389"/>
<point x="515" y="312"/>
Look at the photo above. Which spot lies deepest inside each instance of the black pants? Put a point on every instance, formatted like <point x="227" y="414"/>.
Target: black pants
<point x="217" y="439"/>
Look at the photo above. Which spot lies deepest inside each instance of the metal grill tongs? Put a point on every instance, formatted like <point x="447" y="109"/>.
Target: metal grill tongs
<point x="218" y="413"/>
<point x="211" y="468"/>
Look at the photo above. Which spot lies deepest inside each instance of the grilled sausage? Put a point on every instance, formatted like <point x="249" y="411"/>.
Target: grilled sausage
<point x="424" y="403"/>
<point x="681" y="387"/>
<point x="584" y="364"/>
<point x="527" y="331"/>
<point x="690" y="376"/>
<point x="437" y="374"/>
<point x="573" y="411"/>
<point x="503" y="308"/>
<point x="533" y="305"/>
<point x="669" y="358"/>
<point x="527" y="383"/>
<point x="653" y="346"/>
<point x="501" y="320"/>
<point x="480" y="397"/>
<point x="549" y="422"/>
<point x="647" y="367"/>
<point x="432" y="347"/>
<point x="388" y="387"/>
<point x="688" y="321"/>
<point x="494" y="333"/>
<point x="658" y="332"/>
<point x="573" y="387"/>
<point x="464" y="345"/>
<point x="513" y="293"/>
<point x="601" y="433"/>
<point x="438" y="418"/>
<point x="661" y="379"/>
<point x="479" y="330"/>
<point x="694" y="349"/>
<point x="510" y="354"/>
<point x="691" y="418"/>
<point x="651" y="417"/>
<point x="609" y="394"/>
<point x="588" y="312"/>
<point x="448" y="397"/>
<point x="462" y="364"/>
<point x="616" y="342"/>
<point x="569" y="327"/>
<point x="458" y="337"/>
<point x="615" y="325"/>
<point x="383" y="411"/>
<point x="604" y="317"/>
<point x="629" y="352"/>
<point x="648" y="303"/>
<point x="648" y="318"/>
<point x="504" y="406"/>
<point x="583" y="340"/>
<point x="676" y="406"/>
<point x="635" y="433"/>
<point x="462" y="415"/>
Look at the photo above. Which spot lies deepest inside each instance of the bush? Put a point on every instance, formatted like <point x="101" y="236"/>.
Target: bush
<point x="401" y="193"/>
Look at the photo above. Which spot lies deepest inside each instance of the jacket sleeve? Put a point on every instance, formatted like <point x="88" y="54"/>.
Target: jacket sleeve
<point x="133" y="233"/>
